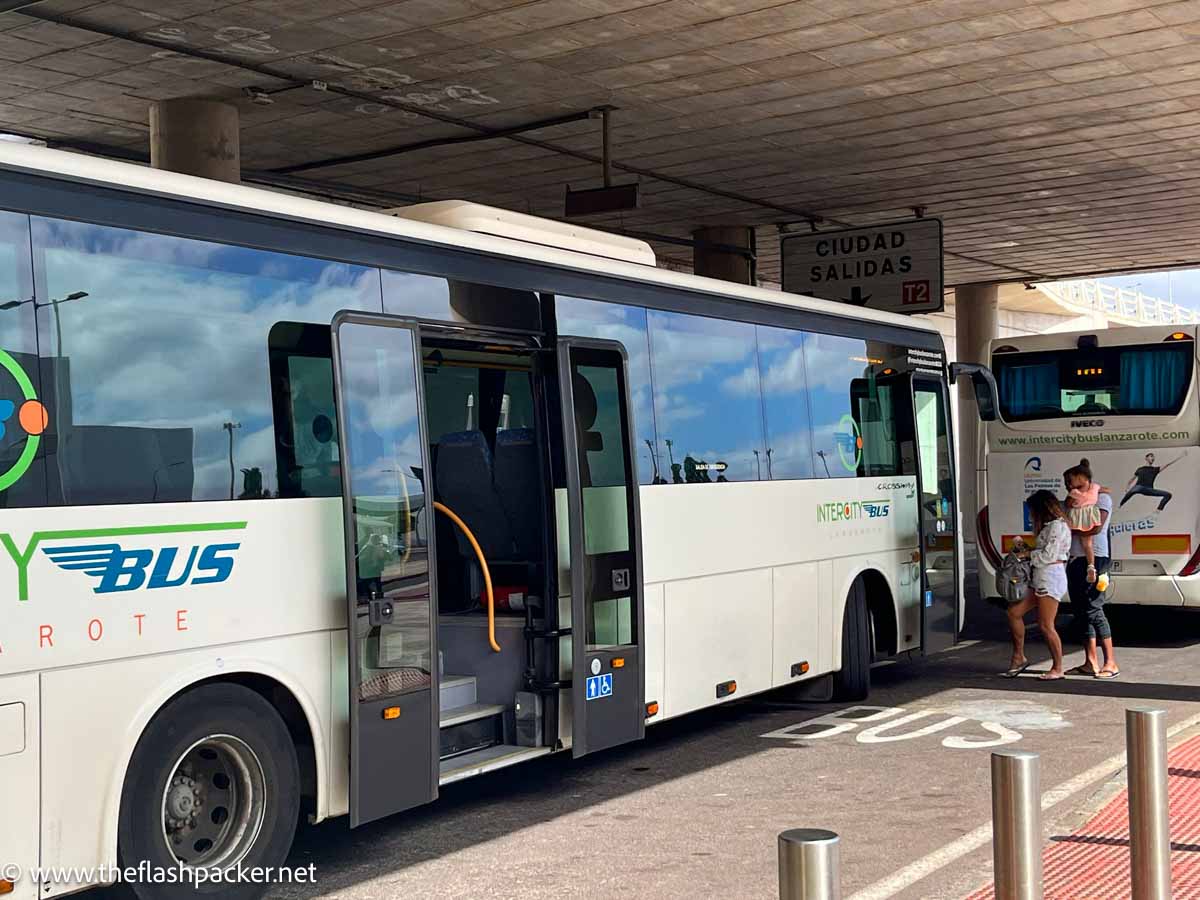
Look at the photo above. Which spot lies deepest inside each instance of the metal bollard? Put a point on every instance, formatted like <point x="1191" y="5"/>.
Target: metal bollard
<point x="1149" y="820"/>
<point x="1017" y="825"/>
<point x="809" y="865"/>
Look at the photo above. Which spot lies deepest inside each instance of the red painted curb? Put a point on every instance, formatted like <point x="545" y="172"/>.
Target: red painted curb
<point x="1093" y="862"/>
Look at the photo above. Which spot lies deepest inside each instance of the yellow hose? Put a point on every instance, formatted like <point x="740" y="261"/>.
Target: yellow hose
<point x="408" y="523"/>
<point x="487" y="575"/>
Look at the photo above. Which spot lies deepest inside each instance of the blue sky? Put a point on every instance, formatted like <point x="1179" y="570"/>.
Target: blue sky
<point x="1182" y="286"/>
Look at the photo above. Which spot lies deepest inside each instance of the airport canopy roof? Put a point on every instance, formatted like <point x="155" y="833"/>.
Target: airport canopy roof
<point x="1053" y="138"/>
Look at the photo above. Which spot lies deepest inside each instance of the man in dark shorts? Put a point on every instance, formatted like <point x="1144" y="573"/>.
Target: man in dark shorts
<point x="1142" y="482"/>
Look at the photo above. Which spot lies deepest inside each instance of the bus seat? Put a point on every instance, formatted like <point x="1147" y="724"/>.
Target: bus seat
<point x="517" y="479"/>
<point x="464" y="483"/>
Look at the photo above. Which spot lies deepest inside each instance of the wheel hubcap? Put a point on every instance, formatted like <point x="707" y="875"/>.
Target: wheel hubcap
<point x="214" y="803"/>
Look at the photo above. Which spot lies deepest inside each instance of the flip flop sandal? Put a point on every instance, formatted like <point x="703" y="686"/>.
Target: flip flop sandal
<point x="1083" y="669"/>
<point x="1015" y="671"/>
<point x="1107" y="675"/>
<point x="1046" y="676"/>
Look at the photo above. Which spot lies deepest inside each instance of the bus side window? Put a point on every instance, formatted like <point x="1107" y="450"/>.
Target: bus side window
<point x="853" y="406"/>
<point x="627" y="324"/>
<point x="24" y="437"/>
<point x="305" y="420"/>
<point x="874" y="410"/>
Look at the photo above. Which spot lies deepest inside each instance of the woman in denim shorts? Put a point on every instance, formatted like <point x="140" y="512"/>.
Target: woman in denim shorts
<point x="1048" y="585"/>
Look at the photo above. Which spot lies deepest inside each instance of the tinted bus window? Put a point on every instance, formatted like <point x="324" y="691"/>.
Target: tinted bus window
<point x="158" y="350"/>
<point x="23" y="438"/>
<point x="430" y="297"/>
<point x="1145" y="380"/>
<point x="785" y="403"/>
<point x="307" y="452"/>
<point x="416" y="296"/>
<point x="707" y="398"/>
<point x="853" y="407"/>
<point x="626" y="324"/>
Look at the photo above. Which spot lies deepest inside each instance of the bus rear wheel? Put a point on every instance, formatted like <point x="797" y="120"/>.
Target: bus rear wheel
<point x="213" y="787"/>
<point x="853" y="681"/>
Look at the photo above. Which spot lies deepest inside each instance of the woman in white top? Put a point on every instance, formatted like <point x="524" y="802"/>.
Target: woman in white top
<point x="1049" y="584"/>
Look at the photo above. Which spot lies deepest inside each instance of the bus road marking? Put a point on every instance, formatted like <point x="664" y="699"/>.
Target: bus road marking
<point x="887" y="724"/>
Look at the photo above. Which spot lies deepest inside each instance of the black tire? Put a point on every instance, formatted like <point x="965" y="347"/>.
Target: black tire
<point x="218" y="726"/>
<point x="853" y="681"/>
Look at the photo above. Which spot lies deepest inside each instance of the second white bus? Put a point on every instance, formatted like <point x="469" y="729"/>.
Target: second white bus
<point x="1125" y="400"/>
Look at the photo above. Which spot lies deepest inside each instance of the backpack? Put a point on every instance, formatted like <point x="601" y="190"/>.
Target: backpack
<point x="1013" y="577"/>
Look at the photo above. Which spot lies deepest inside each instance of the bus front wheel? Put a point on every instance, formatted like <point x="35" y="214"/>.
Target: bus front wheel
<point x="213" y="788"/>
<point x="853" y="681"/>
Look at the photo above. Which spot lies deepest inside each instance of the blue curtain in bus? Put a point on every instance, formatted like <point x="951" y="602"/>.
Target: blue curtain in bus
<point x="1025" y="390"/>
<point x="1152" y="380"/>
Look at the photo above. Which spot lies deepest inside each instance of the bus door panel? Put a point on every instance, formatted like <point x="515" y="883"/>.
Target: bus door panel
<point x="390" y="570"/>
<point x="607" y="613"/>
<point x="938" y="513"/>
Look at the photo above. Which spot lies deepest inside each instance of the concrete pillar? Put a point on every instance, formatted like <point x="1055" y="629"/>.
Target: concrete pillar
<point x="196" y="137"/>
<point x="718" y="262"/>
<point x="976" y="321"/>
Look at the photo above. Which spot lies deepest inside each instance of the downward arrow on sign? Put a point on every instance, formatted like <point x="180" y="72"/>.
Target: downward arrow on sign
<point x="856" y="297"/>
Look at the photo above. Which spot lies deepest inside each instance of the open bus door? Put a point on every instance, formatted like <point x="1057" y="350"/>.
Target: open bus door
<point x="608" y="675"/>
<point x="938" y="516"/>
<point x="904" y="421"/>
<point x="390" y="570"/>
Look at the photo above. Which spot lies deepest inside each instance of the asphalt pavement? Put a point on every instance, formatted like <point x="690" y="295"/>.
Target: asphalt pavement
<point x="694" y="810"/>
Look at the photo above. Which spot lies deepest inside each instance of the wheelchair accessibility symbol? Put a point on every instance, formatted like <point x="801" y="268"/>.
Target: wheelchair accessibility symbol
<point x="599" y="686"/>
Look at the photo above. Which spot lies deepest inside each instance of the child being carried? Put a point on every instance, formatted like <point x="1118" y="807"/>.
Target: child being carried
<point x="1084" y="516"/>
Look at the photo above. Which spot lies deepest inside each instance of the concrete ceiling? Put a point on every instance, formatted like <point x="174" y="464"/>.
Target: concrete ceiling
<point x="1053" y="138"/>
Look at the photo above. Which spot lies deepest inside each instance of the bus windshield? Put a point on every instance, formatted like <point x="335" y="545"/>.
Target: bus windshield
<point x="1139" y="380"/>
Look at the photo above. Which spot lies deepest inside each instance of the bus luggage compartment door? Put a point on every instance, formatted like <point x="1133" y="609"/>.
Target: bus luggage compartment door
<point x="390" y="570"/>
<point x="20" y="762"/>
<point x="608" y="679"/>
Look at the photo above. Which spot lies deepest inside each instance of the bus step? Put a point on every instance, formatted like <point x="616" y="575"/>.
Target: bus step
<point x="457" y="691"/>
<point x="470" y="728"/>
<point x="479" y="761"/>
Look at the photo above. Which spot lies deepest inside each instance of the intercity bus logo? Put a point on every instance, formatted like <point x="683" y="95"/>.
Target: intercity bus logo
<point x="121" y="568"/>
<point x="31" y="416"/>
<point x="849" y="443"/>
<point x="847" y="510"/>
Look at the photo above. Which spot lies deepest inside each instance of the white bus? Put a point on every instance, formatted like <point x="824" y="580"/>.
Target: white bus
<point x="1125" y="399"/>
<point x="230" y="600"/>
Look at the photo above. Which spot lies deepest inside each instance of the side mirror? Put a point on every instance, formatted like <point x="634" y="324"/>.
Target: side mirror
<point x="984" y="382"/>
